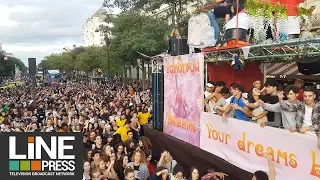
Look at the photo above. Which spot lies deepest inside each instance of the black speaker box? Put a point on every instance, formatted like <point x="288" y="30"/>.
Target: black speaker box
<point x="178" y="46"/>
<point x="231" y="34"/>
<point x="32" y="66"/>
<point x="158" y="100"/>
<point x="309" y="65"/>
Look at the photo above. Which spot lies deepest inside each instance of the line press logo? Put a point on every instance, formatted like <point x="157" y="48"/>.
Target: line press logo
<point x="51" y="155"/>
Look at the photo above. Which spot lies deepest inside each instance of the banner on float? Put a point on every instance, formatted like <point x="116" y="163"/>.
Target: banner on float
<point x="183" y="96"/>
<point x="295" y="156"/>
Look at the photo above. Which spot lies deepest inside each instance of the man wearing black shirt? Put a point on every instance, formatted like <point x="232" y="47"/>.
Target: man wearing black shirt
<point x="271" y="97"/>
<point x="224" y="10"/>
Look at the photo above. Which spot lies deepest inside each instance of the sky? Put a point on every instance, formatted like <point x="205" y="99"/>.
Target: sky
<point x="37" y="28"/>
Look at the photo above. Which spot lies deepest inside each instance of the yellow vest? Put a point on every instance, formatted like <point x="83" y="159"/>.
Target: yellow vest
<point x="120" y="122"/>
<point x="144" y="117"/>
<point x="123" y="133"/>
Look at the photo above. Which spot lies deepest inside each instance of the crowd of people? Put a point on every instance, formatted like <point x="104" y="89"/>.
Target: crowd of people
<point x="112" y="118"/>
<point x="294" y="107"/>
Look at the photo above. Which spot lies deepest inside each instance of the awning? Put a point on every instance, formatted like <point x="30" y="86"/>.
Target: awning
<point x="287" y="72"/>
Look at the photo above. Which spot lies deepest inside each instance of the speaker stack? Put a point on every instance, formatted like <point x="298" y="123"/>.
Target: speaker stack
<point x="158" y="100"/>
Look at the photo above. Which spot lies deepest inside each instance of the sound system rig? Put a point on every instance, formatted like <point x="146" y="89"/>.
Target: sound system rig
<point x="176" y="47"/>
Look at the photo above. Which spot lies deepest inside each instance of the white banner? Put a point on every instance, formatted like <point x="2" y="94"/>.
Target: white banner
<point x="295" y="156"/>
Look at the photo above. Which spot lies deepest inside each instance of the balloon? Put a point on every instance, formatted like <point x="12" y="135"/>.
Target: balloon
<point x="5" y="58"/>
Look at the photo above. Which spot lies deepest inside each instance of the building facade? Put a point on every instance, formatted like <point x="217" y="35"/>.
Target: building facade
<point x="92" y="33"/>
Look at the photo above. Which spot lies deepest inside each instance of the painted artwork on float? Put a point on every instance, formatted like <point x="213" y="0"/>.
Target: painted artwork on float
<point x="183" y="96"/>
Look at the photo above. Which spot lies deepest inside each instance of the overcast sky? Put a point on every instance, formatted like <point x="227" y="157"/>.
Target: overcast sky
<point x="36" y="28"/>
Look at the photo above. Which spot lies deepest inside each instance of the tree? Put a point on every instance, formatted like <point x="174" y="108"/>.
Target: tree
<point x="92" y="58"/>
<point x="82" y="58"/>
<point x="7" y="68"/>
<point x="176" y="12"/>
<point x="62" y="62"/>
<point x="134" y="32"/>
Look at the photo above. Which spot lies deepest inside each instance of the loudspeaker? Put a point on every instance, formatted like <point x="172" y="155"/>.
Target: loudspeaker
<point x="178" y="46"/>
<point x="231" y="34"/>
<point x="32" y="66"/>
<point x="158" y="100"/>
<point x="309" y="65"/>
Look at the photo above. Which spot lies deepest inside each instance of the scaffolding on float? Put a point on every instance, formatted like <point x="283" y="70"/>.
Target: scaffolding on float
<point x="287" y="51"/>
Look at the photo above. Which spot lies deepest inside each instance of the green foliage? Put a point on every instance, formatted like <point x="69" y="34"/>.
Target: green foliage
<point x="176" y="11"/>
<point x="7" y="68"/>
<point x="92" y="58"/>
<point x="62" y="62"/>
<point x="304" y="14"/>
<point x="134" y="32"/>
<point x="84" y="59"/>
<point x="265" y="9"/>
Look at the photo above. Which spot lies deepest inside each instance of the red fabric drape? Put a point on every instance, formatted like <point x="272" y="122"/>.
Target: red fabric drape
<point x="224" y="72"/>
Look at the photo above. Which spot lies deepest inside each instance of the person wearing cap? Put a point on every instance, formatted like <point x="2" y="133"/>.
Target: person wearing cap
<point x="208" y="92"/>
<point x="209" y="89"/>
<point x="123" y="130"/>
<point x="215" y="96"/>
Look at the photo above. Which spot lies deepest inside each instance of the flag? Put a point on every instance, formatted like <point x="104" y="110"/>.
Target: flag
<point x="5" y="108"/>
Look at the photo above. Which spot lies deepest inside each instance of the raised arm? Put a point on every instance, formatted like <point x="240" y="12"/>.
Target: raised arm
<point x="272" y="170"/>
<point x="161" y="159"/>
<point x="272" y="107"/>
<point x="288" y="107"/>
<point x="253" y="105"/>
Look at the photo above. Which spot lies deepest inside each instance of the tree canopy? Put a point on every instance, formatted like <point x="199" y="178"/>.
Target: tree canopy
<point x="7" y="68"/>
<point x="176" y="9"/>
<point x="84" y="59"/>
<point x="134" y="32"/>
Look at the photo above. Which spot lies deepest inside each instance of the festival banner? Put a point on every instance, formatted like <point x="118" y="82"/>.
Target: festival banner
<point x="183" y="96"/>
<point x="295" y="156"/>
